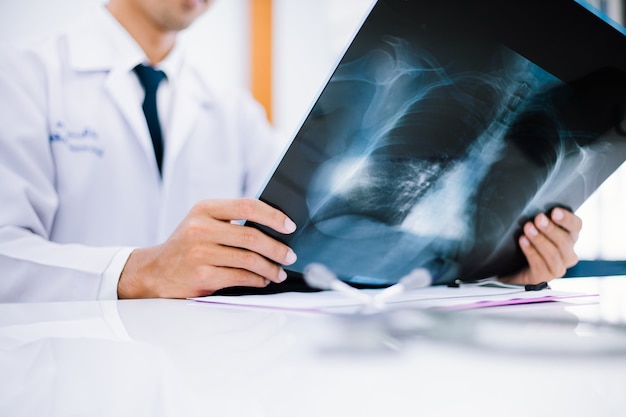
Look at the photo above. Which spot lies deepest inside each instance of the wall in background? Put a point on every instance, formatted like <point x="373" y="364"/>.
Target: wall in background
<point x="27" y="18"/>
<point x="309" y="39"/>
<point x="220" y="36"/>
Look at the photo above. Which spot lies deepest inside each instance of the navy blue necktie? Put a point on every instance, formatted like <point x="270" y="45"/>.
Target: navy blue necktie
<point x="150" y="79"/>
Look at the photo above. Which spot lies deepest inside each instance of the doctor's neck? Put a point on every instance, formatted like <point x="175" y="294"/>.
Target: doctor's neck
<point x="156" y="39"/>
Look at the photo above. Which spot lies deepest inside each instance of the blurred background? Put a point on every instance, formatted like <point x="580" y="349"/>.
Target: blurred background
<point x="305" y="39"/>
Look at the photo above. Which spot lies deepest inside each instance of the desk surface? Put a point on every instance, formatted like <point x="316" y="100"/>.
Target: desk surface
<point x="184" y="358"/>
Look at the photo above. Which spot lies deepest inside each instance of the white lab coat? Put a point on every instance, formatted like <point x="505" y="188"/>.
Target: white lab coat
<point x="78" y="178"/>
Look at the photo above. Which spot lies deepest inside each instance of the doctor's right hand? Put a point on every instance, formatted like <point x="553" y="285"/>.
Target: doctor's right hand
<point x="208" y="252"/>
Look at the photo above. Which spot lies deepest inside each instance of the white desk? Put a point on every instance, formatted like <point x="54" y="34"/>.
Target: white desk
<point x="184" y="358"/>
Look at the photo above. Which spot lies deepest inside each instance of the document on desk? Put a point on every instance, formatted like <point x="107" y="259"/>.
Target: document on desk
<point x="441" y="297"/>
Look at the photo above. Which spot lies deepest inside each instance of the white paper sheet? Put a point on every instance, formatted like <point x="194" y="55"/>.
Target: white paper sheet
<point x="464" y="297"/>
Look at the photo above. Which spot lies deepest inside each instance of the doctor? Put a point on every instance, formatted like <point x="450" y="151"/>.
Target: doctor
<point x="88" y="213"/>
<point x="80" y="187"/>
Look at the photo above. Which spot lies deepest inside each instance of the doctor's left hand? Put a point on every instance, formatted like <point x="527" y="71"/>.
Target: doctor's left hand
<point x="208" y="252"/>
<point x="548" y="244"/>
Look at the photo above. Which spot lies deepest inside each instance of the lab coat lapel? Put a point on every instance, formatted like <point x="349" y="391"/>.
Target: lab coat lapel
<point x="189" y="100"/>
<point x="100" y="44"/>
<point x="118" y="84"/>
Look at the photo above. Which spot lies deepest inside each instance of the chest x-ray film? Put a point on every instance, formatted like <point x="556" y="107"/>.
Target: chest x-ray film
<point x="446" y="125"/>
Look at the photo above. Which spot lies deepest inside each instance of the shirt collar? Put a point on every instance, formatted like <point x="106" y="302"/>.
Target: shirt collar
<point x="98" y="41"/>
<point x="172" y="63"/>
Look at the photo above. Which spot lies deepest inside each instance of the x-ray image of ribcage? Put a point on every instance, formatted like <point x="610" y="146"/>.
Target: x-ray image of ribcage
<point x="430" y="146"/>
<point x="412" y="144"/>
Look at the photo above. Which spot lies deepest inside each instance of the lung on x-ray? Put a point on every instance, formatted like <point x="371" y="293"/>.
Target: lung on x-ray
<point x="445" y="125"/>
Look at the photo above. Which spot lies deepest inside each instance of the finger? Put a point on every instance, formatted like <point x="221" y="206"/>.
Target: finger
<point x="546" y="249"/>
<point x="247" y="209"/>
<point x="235" y="258"/>
<point x="568" y="221"/>
<point x="560" y="237"/>
<point x="537" y="269"/>
<point x="246" y="237"/>
<point x="209" y="234"/>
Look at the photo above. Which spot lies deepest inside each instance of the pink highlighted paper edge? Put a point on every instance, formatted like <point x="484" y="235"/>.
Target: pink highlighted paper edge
<point x="515" y="301"/>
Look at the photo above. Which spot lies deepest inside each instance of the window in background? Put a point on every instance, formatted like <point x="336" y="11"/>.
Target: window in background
<point x="604" y="213"/>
